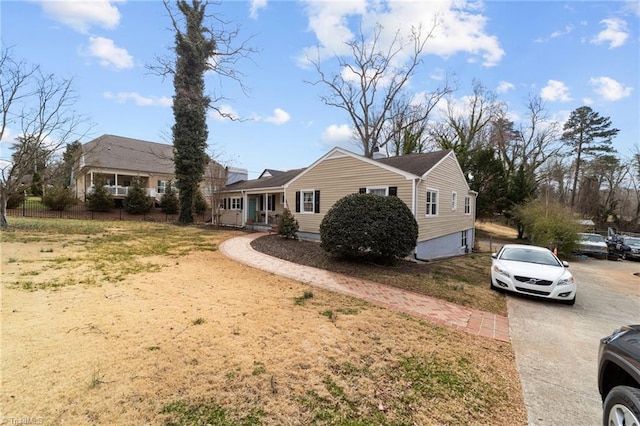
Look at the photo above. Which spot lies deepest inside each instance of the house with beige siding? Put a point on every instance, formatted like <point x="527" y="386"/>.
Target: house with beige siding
<point x="431" y="184"/>
<point x="120" y="160"/>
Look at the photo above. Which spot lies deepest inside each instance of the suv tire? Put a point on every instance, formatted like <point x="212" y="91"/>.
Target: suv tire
<point x="622" y="406"/>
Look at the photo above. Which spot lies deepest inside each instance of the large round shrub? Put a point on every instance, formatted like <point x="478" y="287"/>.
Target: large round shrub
<point x="368" y="226"/>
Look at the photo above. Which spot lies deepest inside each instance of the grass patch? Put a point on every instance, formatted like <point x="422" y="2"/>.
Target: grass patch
<point x="114" y="250"/>
<point x="209" y="413"/>
<point x="300" y="300"/>
<point x="258" y="368"/>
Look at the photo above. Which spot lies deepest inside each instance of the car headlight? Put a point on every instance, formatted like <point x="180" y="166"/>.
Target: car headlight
<point x="635" y="250"/>
<point x="566" y="280"/>
<point x="500" y="271"/>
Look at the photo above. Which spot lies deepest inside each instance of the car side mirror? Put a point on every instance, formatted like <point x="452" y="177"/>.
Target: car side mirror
<point x="565" y="263"/>
<point x="494" y="255"/>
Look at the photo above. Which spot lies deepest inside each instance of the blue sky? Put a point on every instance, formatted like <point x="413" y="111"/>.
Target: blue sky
<point x="569" y="53"/>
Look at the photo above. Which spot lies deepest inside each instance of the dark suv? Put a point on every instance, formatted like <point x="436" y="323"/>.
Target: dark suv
<point x="619" y="376"/>
<point x="624" y="247"/>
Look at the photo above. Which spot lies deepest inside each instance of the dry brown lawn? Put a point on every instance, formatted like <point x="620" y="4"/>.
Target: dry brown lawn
<point x="99" y="328"/>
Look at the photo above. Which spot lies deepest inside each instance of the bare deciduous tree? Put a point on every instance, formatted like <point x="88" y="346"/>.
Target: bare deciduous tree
<point x="38" y="107"/>
<point x="370" y="82"/>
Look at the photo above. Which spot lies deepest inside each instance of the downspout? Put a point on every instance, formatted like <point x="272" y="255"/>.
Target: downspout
<point x="414" y="208"/>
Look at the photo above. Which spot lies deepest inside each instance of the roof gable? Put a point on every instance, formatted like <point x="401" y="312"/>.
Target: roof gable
<point x="410" y="166"/>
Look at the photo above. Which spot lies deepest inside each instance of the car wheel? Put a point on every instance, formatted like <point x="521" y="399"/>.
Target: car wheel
<point x="622" y="407"/>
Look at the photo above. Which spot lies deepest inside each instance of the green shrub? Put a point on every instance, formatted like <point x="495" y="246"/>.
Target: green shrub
<point x="35" y="189"/>
<point x="59" y="198"/>
<point x="14" y="200"/>
<point x="169" y="202"/>
<point x="137" y="201"/>
<point x="369" y="227"/>
<point x="549" y="225"/>
<point x="99" y="200"/>
<point x="287" y="225"/>
<point x="199" y="203"/>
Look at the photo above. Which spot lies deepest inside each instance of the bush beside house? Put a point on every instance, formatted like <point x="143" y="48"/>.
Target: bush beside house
<point x="369" y="227"/>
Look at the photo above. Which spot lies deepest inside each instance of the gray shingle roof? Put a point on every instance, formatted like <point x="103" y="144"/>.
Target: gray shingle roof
<point x="417" y="164"/>
<point x="279" y="179"/>
<point x="117" y="152"/>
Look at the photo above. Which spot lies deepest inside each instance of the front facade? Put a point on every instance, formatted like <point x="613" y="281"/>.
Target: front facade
<point x="432" y="185"/>
<point x="119" y="160"/>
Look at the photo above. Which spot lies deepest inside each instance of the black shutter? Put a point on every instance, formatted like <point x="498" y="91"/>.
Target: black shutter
<point x="297" y="201"/>
<point x="317" y="201"/>
<point x="241" y="203"/>
<point x="393" y="191"/>
<point x="261" y="202"/>
<point x="362" y="190"/>
<point x="224" y="203"/>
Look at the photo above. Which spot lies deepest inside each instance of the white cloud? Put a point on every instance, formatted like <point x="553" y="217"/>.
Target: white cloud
<point x="460" y="27"/>
<point x="8" y="136"/>
<point x="228" y="113"/>
<point x="555" y="91"/>
<point x="122" y="97"/>
<point x="81" y="15"/>
<point x="255" y="6"/>
<point x="108" y="53"/>
<point x="610" y="89"/>
<point x="504" y="87"/>
<point x="279" y="117"/>
<point x="587" y="101"/>
<point x="615" y="33"/>
<point x="559" y="33"/>
<point x="632" y="6"/>
<point x="337" y="135"/>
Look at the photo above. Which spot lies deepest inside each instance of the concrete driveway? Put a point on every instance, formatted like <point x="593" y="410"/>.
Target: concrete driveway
<point x="557" y="345"/>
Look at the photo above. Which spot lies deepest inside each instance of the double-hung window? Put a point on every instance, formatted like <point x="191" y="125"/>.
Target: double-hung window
<point x="464" y="238"/>
<point x="308" y="205"/>
<point x="432" y="202"/>
<point x="467" y="205"/>
<point x="162" y="186"/>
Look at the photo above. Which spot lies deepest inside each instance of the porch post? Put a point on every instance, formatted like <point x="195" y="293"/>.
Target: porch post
<point x="245" y="208"/>
<point x="91" y="179"/>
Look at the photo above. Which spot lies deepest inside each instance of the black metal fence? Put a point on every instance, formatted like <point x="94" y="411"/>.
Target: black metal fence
<point x="35" y="208"/>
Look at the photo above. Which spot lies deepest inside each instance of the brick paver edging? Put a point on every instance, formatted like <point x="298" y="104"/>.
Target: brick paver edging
<point x="434" y="310"/>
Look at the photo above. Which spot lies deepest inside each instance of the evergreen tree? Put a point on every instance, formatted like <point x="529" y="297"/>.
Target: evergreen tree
<point x="59" y="198"/>
<point x="99" y="200"/>
<point x="137" y="201"/>
<point x="288" y="225"/>
<point x="69" y="158"/>
<point x="588" y="134"/>
<point x="199" y="203"/>
<point x="169" y="202"/>
<point x="194" y="47"/>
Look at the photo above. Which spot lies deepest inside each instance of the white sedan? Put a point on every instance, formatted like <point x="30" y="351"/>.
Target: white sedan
<point x="534" y="271"/>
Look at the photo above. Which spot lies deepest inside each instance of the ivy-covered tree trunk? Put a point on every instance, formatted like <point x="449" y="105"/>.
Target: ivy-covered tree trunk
<point x="194" y="47"/>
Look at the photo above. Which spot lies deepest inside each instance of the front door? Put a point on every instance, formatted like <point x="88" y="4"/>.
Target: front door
<point x="251" y="213"/>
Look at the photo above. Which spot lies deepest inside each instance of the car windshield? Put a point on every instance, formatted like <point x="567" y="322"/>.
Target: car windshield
<point x="632" y="241"/>
<point x="529" y="255"/>
<point x="593" y="238"/>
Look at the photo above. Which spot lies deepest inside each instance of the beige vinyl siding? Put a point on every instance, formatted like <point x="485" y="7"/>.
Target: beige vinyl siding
<point x="231" y="216"/>
<point x="446" y="178"/>
<point x="337" y="177"/>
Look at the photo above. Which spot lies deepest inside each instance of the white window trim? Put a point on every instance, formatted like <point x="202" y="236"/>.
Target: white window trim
<point x="313" y="201"/>
<point x="371" y="188"/>
<point x="467" y="205"/>
<point x="235" y="203"/>
<point x="428" y="212"/>
<point x="454" y="201"/>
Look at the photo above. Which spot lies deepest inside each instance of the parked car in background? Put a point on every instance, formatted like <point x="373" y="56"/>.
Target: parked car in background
<point x="534" y="271"/>
<point x="619" y="376"/>
<point x="624" y="247"/>
<point x="592" y="245"/>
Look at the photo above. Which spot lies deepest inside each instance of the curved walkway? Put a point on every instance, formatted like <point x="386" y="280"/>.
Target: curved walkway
<point x="434" y="310"/>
